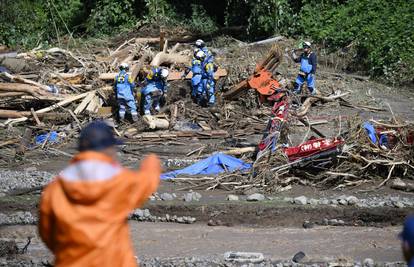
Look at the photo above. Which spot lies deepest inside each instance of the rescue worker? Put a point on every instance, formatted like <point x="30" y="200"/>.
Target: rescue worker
<point x="407" y="241"/>
<point x="202" y="46"/>
<point x="84" y="210"/>
<point x="208" y="93"/>
<point x="197" y="70"/>
<point x="156" y="88"/>
<point x="124" y="91"/>
<point x="307" y="71"/>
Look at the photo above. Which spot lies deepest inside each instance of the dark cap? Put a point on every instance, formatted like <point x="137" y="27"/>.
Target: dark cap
<point x="407" y="233"/>
<point x="97" y="136"/>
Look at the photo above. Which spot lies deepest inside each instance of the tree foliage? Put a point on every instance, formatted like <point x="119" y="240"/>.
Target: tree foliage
<point x="381" y="31"/>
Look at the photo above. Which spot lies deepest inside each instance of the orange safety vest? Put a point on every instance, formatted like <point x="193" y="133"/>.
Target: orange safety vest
<point x="84" y="210"/>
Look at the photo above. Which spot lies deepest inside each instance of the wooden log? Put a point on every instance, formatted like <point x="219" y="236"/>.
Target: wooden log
<point x="16" y="78"/>
<point x="11" y="94"/>
<point x="85" y="102"/>
<point x="21" y="88"/>
<point x="137" y="68"/>
<point x="156" y="123"/>
<point x="15" y="114"/>
<point x="165" y="58"/>
<point x="36" y="118"/>
<point x="50" y="108"/>
<point x="237" y="90"/>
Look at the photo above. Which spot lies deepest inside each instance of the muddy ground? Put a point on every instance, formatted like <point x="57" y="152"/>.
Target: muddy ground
<point x="324" y="228"/>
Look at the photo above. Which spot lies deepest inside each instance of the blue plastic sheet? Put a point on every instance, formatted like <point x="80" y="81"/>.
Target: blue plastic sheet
<point x="215" y="164"/>
<point x="51" y="137"/>
<point x="370" y="130"/>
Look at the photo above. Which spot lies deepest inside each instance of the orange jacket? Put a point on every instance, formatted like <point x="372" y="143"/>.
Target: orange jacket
<point x="83" y="212"/>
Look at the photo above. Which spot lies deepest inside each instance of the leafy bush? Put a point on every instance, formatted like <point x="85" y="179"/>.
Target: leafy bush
<point x="201" y="21"/>
<point x="269" y="17"/>
<point x="381" y="31"/>
<point x="160" y="12"/>
<point x="28" y="23"/>
<point x="108" y="16"/>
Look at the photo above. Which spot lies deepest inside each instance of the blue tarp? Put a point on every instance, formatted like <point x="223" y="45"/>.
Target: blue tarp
<point x="214" y="164"/>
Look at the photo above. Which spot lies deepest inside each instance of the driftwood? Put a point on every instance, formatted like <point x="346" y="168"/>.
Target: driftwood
<point x="155" y="123"/>
<point x="312" y="99"/>
<point x="16" y="78"/>
<point x="53" y="107"/>
<point x="165" y="58"/>
<point x="21" y="88"/>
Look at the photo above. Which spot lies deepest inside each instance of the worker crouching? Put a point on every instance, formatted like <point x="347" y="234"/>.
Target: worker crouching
<point x="84" y="210"/>
<point x="125" y="95"/>
<point x="156" y="88"/>
<point x="307" y="71"/>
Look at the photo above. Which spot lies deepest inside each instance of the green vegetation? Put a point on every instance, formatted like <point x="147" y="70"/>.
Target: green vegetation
<point x="380" y="32"/>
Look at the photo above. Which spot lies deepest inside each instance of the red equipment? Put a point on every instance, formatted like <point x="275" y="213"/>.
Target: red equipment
<point x="312" y="147"/>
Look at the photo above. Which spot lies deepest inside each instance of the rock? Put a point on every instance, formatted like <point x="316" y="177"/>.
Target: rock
<point x="334" y="202"/>
<point x="138" y="213"/>
<point x="368" y="262"/>
<point x="166" y="197"/>
<point x="232" y="197"/>
<point x="298" y="257"/>
<point x="342" y="201"/>
<point x="288" y="200"/>
<point x="340" y="222"/>
<point x="152" y="198"/>
<point x="352" y="200"/>
<point x="313" y="202"/>
<point x="302" y="200"/>
<point x="147" y="213"/>
<point x="399" y="204"/>
<point x="256" y="197"/>
<point x="324" y="202"/>
<point x="333" y="222"/>
<point x="192" y="196"/>
<point x="308" y="224"/>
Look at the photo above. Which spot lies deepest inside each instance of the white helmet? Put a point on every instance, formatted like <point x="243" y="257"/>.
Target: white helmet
<point x="124" y="66"/>
<point x="164" y="73"/>
<point x="200" y="43"/>
<point x="200" y="55"/>
<point x="307" y="44"/>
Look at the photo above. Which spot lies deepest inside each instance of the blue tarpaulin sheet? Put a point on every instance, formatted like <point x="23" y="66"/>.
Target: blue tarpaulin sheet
<point x="214" y="164"/>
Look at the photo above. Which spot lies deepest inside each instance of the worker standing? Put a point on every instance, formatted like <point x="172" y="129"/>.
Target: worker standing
<point x="208" y="83"/>
<point x="156" y="88"/>
<point x="308" y="62"/>
<point x="197" y="69"/>
<point x="124" y="91"/>
<point x="84" y="210"/>
<point x="201" y="45"/>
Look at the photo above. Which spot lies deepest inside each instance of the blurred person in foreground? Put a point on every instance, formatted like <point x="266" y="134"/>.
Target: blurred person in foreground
<point x="84" y="210"/>
<point x="407" y="241"/>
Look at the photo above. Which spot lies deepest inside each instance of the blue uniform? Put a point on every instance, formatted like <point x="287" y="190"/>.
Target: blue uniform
<point x="308" y="69"/>
<point x="124" y="89"/>
<point x="208" y="89"/>
<point x="196" y="80"/>
<point x="155" y="88"/>
<point x="209" y="56"/>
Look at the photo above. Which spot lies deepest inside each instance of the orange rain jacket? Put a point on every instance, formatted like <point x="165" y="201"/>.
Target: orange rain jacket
<point x="83" y="212"/>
